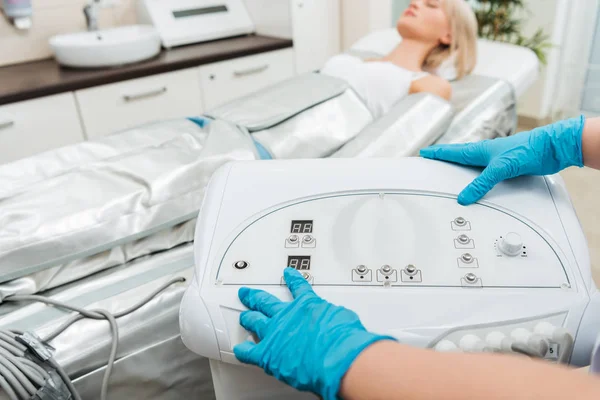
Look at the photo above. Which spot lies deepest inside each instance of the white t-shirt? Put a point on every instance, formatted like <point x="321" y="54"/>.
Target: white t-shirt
<point x="380" y="84"/>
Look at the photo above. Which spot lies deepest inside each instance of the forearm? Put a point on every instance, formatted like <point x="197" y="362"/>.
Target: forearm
<point x="591" y="143"/>
<point x="388" y="370"/>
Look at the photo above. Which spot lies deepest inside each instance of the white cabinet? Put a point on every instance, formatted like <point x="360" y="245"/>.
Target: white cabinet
<point x="225" y="81"/>
<point x="35" y="126"/>
<point x="316" y="32"/>
<point x="114" y="107"/>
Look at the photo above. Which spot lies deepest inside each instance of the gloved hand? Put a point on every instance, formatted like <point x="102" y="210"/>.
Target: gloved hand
<point x="308" y="343"/>
<point x="542" y="151"/>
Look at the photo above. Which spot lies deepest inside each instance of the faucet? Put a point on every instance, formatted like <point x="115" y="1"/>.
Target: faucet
<point x="91" y="14"/>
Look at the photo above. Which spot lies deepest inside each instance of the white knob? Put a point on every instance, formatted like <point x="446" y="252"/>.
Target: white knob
<point x="499" y="341"/>
<point x="521" y="335"/>
<point x="446" y="346"/>
<point x="472" y="343"/>
<point x="511" y="244"/>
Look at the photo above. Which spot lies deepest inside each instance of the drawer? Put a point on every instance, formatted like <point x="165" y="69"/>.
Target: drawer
<point x="35" y="126"/>
<point x="228" y="80"/>
<point x="117" y="106"/>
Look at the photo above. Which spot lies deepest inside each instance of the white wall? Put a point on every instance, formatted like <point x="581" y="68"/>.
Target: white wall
<point x="359" y="17"/>
<point x="552" y="16"/>
<point x="575" y="58"/>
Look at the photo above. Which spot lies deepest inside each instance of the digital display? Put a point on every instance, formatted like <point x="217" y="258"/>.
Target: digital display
<point x="302" y="227"/>
<point x="301" y="263"/>
<point x="199" y="11"/>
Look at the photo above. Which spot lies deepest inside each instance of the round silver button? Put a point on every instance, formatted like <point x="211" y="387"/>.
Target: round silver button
<point x="471" y="278"/>
<point x="308" y="239"/>
<point x="241" y="264"/>
<point x="361" y="269"/>
<point x="460" y="221"/>
<point x="411" y="270"/>
<point x="464" y="239"/>
<point x="467" y="258"/>
<point x="386" y="269"/>
<point x="306" y="275"/>
<point x="293" y="239"/>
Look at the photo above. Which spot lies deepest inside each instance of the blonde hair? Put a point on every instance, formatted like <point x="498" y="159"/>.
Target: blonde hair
<point x="463" y="48"/>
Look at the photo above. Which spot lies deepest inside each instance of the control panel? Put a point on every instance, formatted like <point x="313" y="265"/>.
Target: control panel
<point x="392" y="239"/>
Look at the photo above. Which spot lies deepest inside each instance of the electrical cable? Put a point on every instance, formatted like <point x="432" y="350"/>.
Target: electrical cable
<point x="63" y="375"/>
<point x="30" y="372"/>
<point x="45" y="376"/>
<point x="14" y="383"/>
<point x="135" y="307"/>
<point x="113" y="353"/>
<point x="8" y="389"/>
<point x="19" y="376"/>
<point x="15" y="351"/>
<point x="7" y="337"/>
<point x="10" y="349"/>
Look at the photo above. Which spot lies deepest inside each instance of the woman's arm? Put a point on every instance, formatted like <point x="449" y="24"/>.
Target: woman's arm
<point x="432" y="84"/>
<point x="388" y="370"/>
<point x="590" y="143"/>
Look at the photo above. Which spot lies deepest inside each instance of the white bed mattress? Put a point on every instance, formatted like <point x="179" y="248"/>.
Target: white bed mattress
<point x="515" y="64"/>
<point x="518" y="65"/>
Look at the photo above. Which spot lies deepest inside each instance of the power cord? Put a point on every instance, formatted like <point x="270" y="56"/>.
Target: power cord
<point x="21" y="378"/>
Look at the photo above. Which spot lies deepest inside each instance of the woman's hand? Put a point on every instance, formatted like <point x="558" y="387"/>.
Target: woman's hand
<point x="309" y="343"/>
<point x="542" y="151"/>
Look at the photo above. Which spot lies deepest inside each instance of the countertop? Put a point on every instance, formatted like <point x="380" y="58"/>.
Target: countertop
<point x="43" y="78"/>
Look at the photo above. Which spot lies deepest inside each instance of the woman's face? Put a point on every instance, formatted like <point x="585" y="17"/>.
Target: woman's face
<point x="425" y="20"/>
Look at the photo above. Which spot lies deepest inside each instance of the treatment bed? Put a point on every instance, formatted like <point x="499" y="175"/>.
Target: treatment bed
<point x="105" y="224"/>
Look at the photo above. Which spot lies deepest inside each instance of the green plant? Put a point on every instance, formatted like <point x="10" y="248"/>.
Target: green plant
<point x="501" y="20"/>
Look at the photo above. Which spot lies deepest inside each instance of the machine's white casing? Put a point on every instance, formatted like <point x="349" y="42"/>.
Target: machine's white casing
<point x="377" y="212"/>
<point x="207" y="20"/>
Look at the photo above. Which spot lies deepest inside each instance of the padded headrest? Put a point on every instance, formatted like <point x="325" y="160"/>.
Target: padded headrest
<point x="384" y="41"/>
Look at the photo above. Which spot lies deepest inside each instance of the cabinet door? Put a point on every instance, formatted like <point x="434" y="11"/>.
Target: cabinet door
<point x="111" y="108"/>
<point x="316" y="29"/>
<point x="227" y="80"/>
<point x="39" y="125"/>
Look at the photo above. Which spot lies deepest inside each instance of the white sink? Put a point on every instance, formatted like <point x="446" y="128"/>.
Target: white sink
<point x="106" y="48"/>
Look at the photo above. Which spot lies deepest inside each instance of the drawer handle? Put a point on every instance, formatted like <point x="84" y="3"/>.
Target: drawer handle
<point x="6" y="124"/>
<point x="251" y="71"/>
<point x="143" y="95"/>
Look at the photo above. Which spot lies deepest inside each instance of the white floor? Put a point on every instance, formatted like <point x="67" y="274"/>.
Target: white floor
<point x="584" y="187"/>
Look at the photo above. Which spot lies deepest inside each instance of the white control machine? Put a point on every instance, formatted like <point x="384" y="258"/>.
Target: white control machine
<point x="387" y="239"/>
<point x="182" y="22"/>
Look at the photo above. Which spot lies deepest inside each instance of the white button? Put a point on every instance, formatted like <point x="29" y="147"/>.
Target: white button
<point x="471" y="343"/>
<point x="511" y="244"/>
<point x="446" y="345"/>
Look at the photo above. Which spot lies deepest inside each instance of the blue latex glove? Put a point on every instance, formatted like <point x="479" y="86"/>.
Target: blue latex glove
<point x="543" y="151"/>
<point x="308" y="343"/>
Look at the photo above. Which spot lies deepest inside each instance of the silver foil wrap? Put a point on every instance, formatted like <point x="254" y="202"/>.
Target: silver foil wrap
<point x="152" y="362"/>
<point x="93" y="198"/>
<point x="309" y="116"/>
<point x="486" y="108"/>
<point x="415" y="122"/>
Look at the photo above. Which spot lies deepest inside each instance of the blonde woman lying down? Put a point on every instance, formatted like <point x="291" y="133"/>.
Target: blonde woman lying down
<point x="432" y="31"/>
